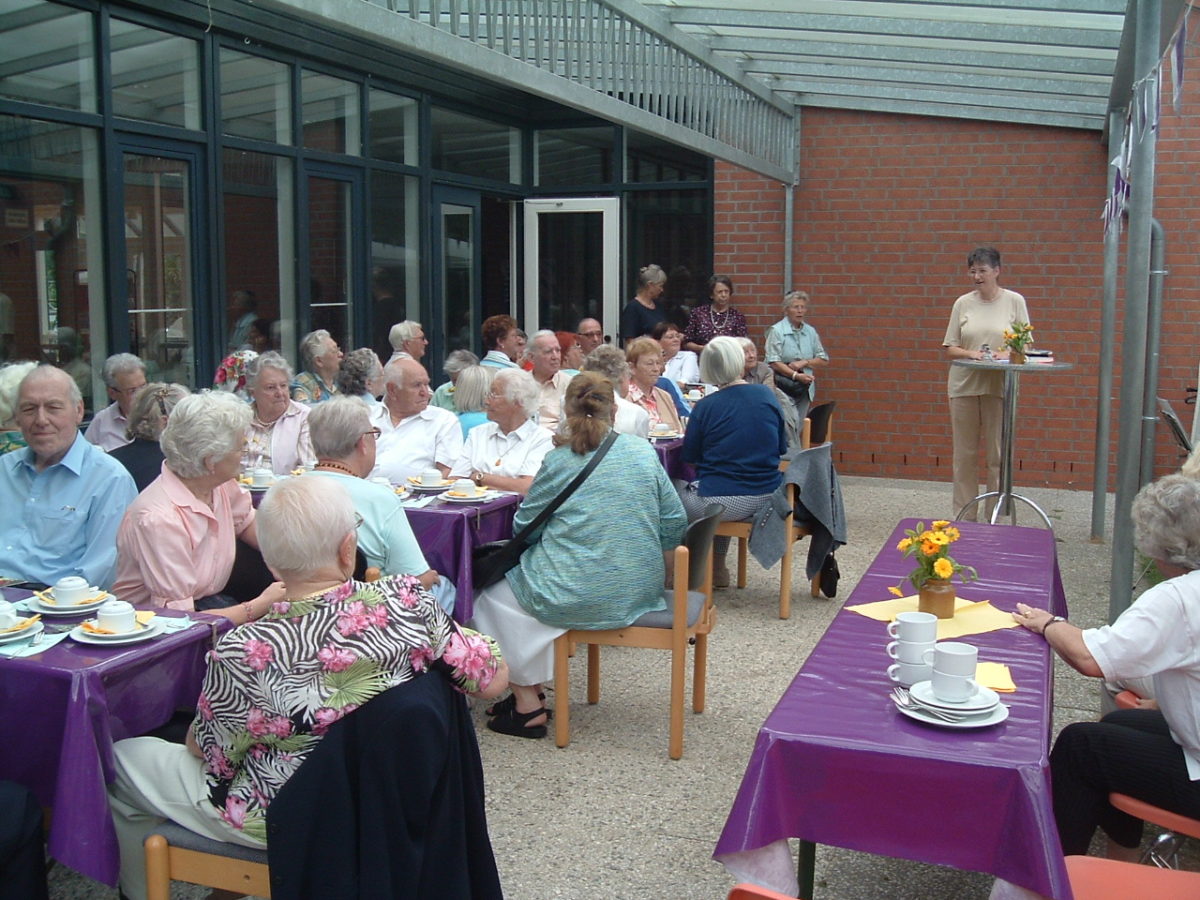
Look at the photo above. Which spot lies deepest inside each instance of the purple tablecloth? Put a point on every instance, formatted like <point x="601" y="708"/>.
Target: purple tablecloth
<point x="670" y="454"/>
<point x="61" y="711"/>
<point x="836" y="763"/>
<point x="448" y="532"/>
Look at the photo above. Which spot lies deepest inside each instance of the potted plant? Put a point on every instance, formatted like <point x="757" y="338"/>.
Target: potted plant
<point x="1017" y="340"/>
<point x="935" y="567"/>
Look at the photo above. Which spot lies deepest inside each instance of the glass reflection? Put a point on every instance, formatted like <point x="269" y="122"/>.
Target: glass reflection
<point x="155" y="75"/>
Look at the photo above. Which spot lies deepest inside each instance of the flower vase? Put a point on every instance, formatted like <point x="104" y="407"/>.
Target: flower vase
<point x="1017" y="357"/>
<point x="937" y="596"/>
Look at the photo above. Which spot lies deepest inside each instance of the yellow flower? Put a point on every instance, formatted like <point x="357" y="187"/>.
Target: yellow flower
<point x="929" y="548"/>
<point x="904" y="544"/>
<point x="939" y="524"/>
<point x="926" y="536"/>
<point x="953" y="534"/>
<point x="939" y="538"/>
<point x="943" y="568"/>
<point x="895" y="590"/>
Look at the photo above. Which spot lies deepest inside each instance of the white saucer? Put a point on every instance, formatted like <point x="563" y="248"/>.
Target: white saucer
<point x="993" y="717"/>
<point x="153" y="630"/>
<point x="439" y="487"/>
<point x="15" y="636"/>
<point x="481" y="498"/>
<point x="983" y="700"/>
<point x="669" y="436"/>
<point x="258" y="488"/>
<point x="36" y="604"/>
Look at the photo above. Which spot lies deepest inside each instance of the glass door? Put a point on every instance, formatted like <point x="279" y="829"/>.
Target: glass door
<point x="572" y="263"/>
<point x="457" y="288"/>
<point x="334" y="207"/>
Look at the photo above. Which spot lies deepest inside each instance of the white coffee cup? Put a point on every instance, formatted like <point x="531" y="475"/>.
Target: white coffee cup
<point x="914" y="626"/>
<point x="909" y="651"/>
<point x="262" y="477"/>
<point x="379" y="479"/>
<point x="908" y="674"/>
<point x="694" y="394"/>
<point x="952" y="688"/>
<point x="662" y="428"/>
<point x="431" y="477"/>
<point x="8" y="614"/>
<point x="952" y="658"/>
<point x="71" y="589"/>
<point x="117" y="616"/>
<point x="464" y="486"/>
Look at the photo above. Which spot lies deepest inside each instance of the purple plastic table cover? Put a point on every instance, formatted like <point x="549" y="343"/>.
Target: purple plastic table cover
<point x="61" y="711"/>
<point x="448" y="532"/>
<point x="670" y="454"/>
<point x="836" y="763"/>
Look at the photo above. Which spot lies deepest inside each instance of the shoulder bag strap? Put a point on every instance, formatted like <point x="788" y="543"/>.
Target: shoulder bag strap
<point x="568" y="490"/>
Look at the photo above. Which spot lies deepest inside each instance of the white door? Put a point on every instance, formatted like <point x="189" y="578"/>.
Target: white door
<point x="572" y="263"/>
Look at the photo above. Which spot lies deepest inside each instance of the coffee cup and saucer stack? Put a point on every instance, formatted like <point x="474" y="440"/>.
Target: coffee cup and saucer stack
<point x="915" y="633"/>
<point x="952" y="698"/>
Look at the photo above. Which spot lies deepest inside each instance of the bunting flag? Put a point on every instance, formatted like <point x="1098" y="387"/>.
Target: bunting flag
<point x="1177" y="54"/>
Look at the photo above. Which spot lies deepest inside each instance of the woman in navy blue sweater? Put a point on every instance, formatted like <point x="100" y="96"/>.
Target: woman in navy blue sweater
<point x="734" y="439"/>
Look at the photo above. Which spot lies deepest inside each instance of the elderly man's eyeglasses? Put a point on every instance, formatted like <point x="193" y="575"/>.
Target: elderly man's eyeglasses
<point x="375" y="432"/>
<point x="596" y="333"/>
<point x="358" y="521"/>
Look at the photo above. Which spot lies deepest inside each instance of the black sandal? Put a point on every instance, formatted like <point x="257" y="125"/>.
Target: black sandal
<point x="509" y="704"/>
<point x="513" y="723"/>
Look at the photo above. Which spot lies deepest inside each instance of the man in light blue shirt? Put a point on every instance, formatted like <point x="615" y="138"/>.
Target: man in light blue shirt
<point x="344" y="444"/>
<point x="64" y="498"/>
<point x="794" y="350"/>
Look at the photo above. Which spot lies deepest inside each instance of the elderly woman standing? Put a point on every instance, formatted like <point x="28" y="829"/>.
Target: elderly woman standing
<point x="361" y="375"/>
<point x="470" y="394"/>
<point x="976" y="397"/>
<point x="715" y="318"/>
<point x="508" y="450"/>
<point x="1150" y="754"/>
<point x="277" y="436"/>
<point x="177" y="543"/>
<point x="321" y="357"/>
<point x="458" y="360"/>
<point x="793" y="351"/>
<point x="618" y="524"/>
<point x="641" y="314"/>
<point x="644" y="356"/>
<point x="143" y="456"/>
<point x="735" y="439"/>
<point x="286" y="675"/>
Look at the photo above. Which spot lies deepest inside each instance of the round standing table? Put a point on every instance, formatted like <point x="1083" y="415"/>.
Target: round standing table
<point x="1005" y="497"/>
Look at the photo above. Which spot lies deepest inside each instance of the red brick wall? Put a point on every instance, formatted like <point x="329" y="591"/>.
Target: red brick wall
<point x="886" y="211"/>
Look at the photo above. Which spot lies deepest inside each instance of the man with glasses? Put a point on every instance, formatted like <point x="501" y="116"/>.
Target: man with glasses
<point x="344" y="443"/>
<point x="124" y="375"/>
<point x="590" y="335"/>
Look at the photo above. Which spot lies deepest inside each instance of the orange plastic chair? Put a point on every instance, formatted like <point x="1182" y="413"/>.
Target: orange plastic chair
<point x="747" y="891"/>
<point x="1093" y="878"/>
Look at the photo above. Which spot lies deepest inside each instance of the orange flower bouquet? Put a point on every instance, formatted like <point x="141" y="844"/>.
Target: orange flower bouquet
<point x="930" y="548"/>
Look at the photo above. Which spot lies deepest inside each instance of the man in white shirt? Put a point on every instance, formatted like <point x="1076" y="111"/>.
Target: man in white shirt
<point x="125" y="375"/>
<point x="414" y="436"/>
<point x="546" y="354"/>
<point x="408" y="340"/>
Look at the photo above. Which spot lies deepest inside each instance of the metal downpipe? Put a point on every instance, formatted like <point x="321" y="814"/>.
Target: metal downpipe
<point x="1158" y="275"/>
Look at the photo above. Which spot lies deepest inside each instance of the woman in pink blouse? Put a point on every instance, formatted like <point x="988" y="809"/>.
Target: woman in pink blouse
<point x="177" y="543"/>
<point x="644" y="355"/>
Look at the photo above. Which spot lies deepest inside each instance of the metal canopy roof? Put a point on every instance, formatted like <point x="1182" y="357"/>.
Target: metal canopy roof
<point x="1037" y="61"/>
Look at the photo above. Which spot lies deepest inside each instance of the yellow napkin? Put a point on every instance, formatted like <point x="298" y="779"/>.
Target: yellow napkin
<point x="144" y="616"/>
<point x="969" y="618"/>
<point x="995" y="676"/>
<point x="21" y="625"/>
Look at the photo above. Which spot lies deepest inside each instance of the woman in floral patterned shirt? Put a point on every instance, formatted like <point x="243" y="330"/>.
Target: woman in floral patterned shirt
<point x="275" y="686"/>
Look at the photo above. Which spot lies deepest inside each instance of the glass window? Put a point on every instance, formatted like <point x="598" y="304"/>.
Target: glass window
<point x="393" y="127"/>
<point x="159" y="266"/>
<point x="47" y="55"/>
<point x="672" y="229"/>
<point x="573" y="156"/>
<point x="155" y="75"/>
<point x="260" y="282"/>
<point x="255" y="97"/>
<point x="395" y="264"/>
<point x="650" y="159"/>
<point x="330" y="114"/>
<point x="330" y="255"/>
<point x="472" y="146"/>
<point x="52" y="276"/>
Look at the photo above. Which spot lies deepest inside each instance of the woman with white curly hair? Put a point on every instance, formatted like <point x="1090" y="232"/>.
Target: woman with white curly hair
<point x="1150" y="754"/>
<point x="277" y="434"/>
<point x="178" y="541"/>
<point x="507" y="451"/>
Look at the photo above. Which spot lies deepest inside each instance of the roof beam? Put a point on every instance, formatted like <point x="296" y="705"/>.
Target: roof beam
<point x="1018" y="115"/>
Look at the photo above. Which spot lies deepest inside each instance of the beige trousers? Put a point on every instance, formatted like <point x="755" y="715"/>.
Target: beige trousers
<point x="157" y="780"/>
<point x="975" y="420"/>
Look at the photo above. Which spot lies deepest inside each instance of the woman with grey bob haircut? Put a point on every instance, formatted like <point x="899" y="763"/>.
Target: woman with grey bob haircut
<point x="277" y="435"/>
<point x="177" y="544"/>
<point x="143" y="456"/>
<point x="723" y="361"/>
<point x="470" y="391"/>
<point x="1152" y="755"/>
<point x="360" y="375"/>
<point x="629" y="418"/>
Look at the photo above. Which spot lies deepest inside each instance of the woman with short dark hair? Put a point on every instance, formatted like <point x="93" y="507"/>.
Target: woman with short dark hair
<point x="715" y="318"/>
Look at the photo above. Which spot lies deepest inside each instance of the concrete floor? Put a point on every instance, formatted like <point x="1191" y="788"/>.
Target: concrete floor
<point x="611" y="816"/>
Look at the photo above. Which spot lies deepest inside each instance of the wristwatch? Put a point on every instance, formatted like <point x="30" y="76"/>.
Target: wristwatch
<point x="1051" y="622"/>
<point x="478" y="479"/>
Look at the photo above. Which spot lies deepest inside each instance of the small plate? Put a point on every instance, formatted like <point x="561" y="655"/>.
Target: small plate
<point x="979" y="702"/>
<point x="138" y="630"/>
<point x="145" y="633"/>
<point x="12" y="637"/>
<point x="478" y="498"/>
<point x="415" y="484"/>
<point x="37" y="604"/>
<point x="258" y="488"/>
<point x="992" y="717"/>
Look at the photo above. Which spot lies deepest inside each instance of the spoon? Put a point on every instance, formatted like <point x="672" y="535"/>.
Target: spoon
<point x="901" y="697"/>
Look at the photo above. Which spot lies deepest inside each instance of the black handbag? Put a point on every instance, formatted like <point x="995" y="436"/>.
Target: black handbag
<point x="797" y="390"/>
<point x="490" y="561"/>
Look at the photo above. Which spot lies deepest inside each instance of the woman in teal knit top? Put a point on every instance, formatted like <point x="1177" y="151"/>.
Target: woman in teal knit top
<point x="597" y="563"/>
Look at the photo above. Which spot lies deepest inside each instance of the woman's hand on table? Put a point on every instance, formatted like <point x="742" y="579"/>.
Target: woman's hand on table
<point x="1034" y="619"/>
<point x="1066" y="639"/>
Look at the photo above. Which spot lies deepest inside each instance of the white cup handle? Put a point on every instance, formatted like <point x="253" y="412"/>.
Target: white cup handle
<point x="927" y="656"/>
<point x="893" y="672"/>
<point x="894" y="628"/>
<point x="892" y="651"/>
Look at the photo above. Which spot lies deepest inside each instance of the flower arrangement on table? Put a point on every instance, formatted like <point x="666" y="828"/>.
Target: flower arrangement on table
<point x="1018" y="339"/>
<point x="931" y="550"/>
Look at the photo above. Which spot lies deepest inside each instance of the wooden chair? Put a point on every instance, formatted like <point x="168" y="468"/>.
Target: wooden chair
<point x="1093" y="878"/>
<point x="747" y="891"/>
<point x="173" y="852"/>
<point x="821" y="423"/>
<point x="689" y="616"/>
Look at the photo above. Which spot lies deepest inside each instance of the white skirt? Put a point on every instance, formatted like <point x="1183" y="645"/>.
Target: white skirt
<point x="527" y="643"/>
